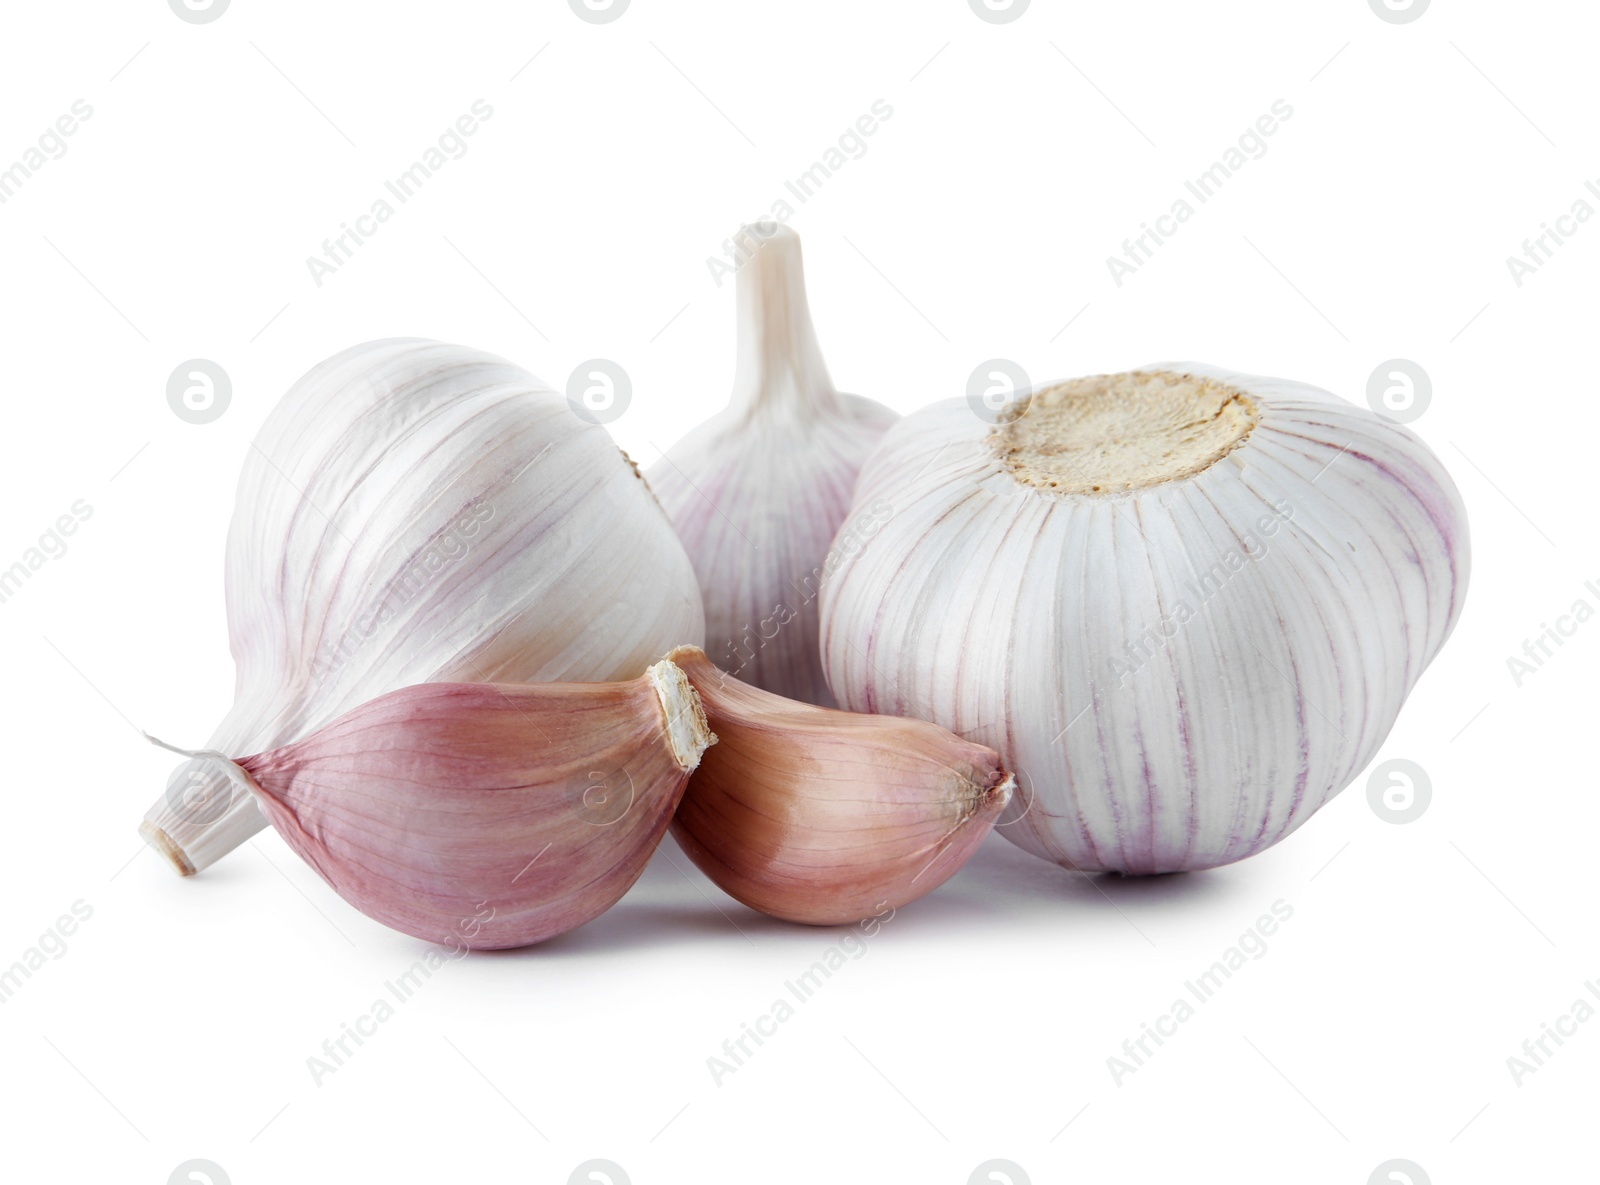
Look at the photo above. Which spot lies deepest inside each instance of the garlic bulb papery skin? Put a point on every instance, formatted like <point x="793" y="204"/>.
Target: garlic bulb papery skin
<point x="759" y="491"/>
<point x="1184" y="604"/>
<point x="414" y="512"/>
<point x="826" y="817"/>
<point x="488" y="815"/>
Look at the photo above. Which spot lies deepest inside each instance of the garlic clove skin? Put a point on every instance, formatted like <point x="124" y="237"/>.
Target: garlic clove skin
<point x="415" y="512"/>
<point x="759" y="491"/>
<point x="825" y="817"/>
<point x="486" y="815"/>
<point x="1193" y="639"/>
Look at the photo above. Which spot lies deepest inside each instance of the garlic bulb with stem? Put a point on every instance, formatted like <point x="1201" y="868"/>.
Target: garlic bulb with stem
<point x="1185" y="604"/>
<point x="815" y="815"/>
<point x="758" y="492"/>
<point x="416" y="512"/>
<point x="486" y="815"/>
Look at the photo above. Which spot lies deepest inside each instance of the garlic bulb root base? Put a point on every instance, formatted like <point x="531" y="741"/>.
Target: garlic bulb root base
<point x="170" y="851"/>
<point x="1114" y="432"/>
<point x="203" y="816"/>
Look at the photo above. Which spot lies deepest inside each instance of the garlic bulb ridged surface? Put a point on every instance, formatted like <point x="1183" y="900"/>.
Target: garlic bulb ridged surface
<point x="488" y="815"/>
<point x="414" y="512"/>
<point x="759" y="491"/>
<point x="826" y="817"/>
<point x="1185" y="604"/>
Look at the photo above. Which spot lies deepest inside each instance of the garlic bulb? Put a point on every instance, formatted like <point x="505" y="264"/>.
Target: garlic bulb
<point x="413" y="512"/>
<point x="487" y="815"/>
<point x="1184" y="604"/>
<point x="815" y="815"/>
<point x="759" y="491"/>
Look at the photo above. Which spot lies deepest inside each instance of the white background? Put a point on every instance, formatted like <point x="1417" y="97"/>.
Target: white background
<point x="1019" y="156"/>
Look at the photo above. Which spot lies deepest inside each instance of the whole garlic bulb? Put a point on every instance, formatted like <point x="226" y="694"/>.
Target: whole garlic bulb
<point x="759" y="491"/>
<point x="1184" y="604"/>
<point x="414" y="512"/>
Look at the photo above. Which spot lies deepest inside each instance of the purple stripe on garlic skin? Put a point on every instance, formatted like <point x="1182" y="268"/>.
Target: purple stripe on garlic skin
<point x="758" y="492"/>
<point x="1003" y="608"/>
<point x="416" y="512"/>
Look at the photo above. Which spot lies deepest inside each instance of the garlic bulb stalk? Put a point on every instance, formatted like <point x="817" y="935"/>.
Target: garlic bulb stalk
<point x="759" y="491"/>
<point x="414" y="512"/>
<point x="826" y="817"/>
<point x="1186" y="605"/>
<point x="486" y="815"/>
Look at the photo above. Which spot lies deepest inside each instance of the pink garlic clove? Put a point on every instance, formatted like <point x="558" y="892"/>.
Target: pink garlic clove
<point x="488" y="815"/>
<point x="820" y="816"/>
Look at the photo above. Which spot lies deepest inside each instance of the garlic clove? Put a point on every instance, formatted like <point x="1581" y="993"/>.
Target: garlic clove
<point x="759" y="491"/>
<point x="1185" y="604"/>
<point x="815" y="815"/>
<point x="415" y="512"/>
<point x="487" y="815"/>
